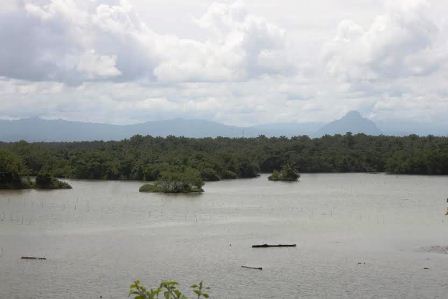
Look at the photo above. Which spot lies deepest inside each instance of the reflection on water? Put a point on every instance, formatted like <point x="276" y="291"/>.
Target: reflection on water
<point x="358" y="236"/>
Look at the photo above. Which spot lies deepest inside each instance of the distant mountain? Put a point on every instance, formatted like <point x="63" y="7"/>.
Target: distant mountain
<point x="404" y="128"/>
<point x="36" y="129"/>
<point x="287" y="129"/>
<point x="352" y="122"/>
<point x="195" y="128"/>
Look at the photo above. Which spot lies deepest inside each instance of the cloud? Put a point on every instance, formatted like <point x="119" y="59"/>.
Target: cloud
<point x="403" y="42"/>
<point x="94" y="65"/>
<point x="76" y="41"/>
<point x="429" y="108"/>
<point x="108" y="61"/>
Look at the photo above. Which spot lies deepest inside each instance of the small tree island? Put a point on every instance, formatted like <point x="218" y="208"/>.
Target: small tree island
<point x="44" y="180"/>
<point x="182" y="180"/>
<point x="14" y="176"/>
<point x="10" y="169"/>
<point x="287" y="174"/>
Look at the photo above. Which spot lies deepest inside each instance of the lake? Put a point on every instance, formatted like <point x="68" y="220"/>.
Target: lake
<point x="357" y="236"/>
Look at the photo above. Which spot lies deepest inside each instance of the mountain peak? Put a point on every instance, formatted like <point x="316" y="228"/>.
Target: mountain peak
<point x="353" y="115"/>
<point x="352" y="122"/>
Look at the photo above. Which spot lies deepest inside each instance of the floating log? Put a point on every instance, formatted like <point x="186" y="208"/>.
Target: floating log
<point x="269" y="245"/>
<point x="33" y="258"/>
<point x="254" y="268"/>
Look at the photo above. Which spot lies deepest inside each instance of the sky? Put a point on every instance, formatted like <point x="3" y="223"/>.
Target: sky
<point x="235" y="62"/>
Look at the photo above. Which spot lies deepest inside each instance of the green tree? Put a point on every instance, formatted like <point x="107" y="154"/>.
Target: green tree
<point x="45" y="180"/>
<point x="176" y="180"/>
<point x="287" y="173"/>
<point x="11" y="169"/>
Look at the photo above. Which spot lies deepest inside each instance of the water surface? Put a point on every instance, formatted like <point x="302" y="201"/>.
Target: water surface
<point x="358" y="236"/>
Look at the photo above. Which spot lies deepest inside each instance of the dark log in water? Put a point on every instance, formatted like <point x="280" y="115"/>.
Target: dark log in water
<point x="268" y="245"/>
<point x="254" y="268"/>
<point x="33" y="258"/>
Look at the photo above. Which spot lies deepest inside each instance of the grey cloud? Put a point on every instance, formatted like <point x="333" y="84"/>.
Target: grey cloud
<point x="33" y="51"/>
<point x="100" y="61"/>
<point x="73" y="42"/>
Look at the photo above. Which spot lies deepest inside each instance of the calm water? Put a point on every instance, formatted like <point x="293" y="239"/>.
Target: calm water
<point x="100" y="236"/>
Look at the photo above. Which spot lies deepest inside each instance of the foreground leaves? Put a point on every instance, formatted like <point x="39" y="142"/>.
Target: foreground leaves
<point x="168" y="289"/>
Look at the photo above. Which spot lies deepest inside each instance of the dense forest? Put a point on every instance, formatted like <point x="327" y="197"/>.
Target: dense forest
<point x="146" y="158"/>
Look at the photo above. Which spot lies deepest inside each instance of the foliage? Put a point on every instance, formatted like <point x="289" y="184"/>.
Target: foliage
<point x="11" y="169"/>
<point x="148" y="188"/>
<point x="149" y="158"/>
<point x="168" y="289"/>
<point x="44" y="180"/>
<point x="209" y="174"/>
<point x="287" y="173"/>
<point x="177" y="180"/>
<point x="229" y="175"/>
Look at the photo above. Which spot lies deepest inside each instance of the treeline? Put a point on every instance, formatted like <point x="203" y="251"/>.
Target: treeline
<point x="145" y="158"/>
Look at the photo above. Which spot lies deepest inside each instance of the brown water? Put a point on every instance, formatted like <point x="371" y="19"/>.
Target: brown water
<point x="358" y="236"/>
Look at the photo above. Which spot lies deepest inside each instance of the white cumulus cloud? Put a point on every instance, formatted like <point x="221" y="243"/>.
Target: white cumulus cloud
<point x="75" y="41"/>
<point x="251" y="62"/>
<point x="97" y="65"/>
<point x="402" y="42"/>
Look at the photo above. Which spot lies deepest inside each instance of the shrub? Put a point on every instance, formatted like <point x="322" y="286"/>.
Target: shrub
<point x="44" y="180"/>
<point x="287" y="173"/>
<point x="176" y="180"/>
<point x="168" y="289"/>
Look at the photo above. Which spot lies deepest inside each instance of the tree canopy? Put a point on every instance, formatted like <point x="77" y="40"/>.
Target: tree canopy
<point x="176" y="180"/>
<point x="149" y="158"/>
<point x="287" y="173"/>
<point x="11" y="169"/>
